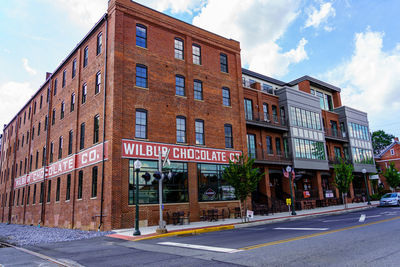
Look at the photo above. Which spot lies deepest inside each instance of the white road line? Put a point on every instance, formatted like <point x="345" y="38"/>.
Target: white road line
<point x="216" y="249"/>
<point x="302" y="229"/>
<point x="373" y="216"/>
<point x="362" y="218"/>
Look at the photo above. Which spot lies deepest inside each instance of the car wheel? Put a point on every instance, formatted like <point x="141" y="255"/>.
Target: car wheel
<point x="398" y="203"/>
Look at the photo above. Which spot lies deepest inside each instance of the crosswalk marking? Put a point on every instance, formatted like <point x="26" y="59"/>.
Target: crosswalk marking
<point x="302" y="229"/>
<point x="209" y="248"/>
<point x="362" y="218"/>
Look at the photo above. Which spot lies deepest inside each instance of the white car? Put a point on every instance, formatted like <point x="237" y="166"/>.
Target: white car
<point x="390" y="199"/>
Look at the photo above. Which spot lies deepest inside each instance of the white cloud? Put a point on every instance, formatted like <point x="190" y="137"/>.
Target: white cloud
<point x="27" y="67"/>
<point x="82" y="12"/>
<point x="370" y="79"/>
<point x="13" y="96"/>
<point x="257" y="25"/>
<point x="318" y="17"/>
<point x="175" y="6"/>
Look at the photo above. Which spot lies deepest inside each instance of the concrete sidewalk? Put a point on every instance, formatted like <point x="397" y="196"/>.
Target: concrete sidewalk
<point x="203" y="227"/>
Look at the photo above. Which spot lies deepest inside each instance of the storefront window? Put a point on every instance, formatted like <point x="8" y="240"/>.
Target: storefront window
<point x="175" y="190"/>
<point x="211" y="185"/>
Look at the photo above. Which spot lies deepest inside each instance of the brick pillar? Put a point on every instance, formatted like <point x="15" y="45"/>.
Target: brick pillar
<point x="193" y="192"/>
<point x="369" y="185"/>
<point x="351" y="191"/>
<point x="319" y="185"/>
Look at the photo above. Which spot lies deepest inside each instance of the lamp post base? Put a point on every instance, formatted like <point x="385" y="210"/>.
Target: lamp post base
<point x="137" y="232"/>
<point x="161" y="231"/>
<point x="294" y="213"/>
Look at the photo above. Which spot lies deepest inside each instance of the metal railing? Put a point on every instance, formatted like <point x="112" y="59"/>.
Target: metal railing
<point x="335" y="133"/>
<point x="278" y="157"/>
<point x="266" y="118"/>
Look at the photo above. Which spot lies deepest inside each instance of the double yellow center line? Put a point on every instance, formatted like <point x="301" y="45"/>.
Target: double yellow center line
<point x="316" y="234"/>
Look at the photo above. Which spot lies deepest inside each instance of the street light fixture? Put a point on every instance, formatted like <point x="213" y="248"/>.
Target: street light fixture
<point x="137" y="166"/>
<point x="289" y="170"/>
<point x="364" y="171"/>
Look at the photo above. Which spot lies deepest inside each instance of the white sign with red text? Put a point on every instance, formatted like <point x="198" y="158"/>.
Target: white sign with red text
<point x="85" y="158"/>
<point x="150" y="150"/>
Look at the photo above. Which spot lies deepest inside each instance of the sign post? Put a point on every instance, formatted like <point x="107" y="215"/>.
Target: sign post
<point x="137" y="166"/>
<point x="161" y="227"/>
<point x="289" y="170"/>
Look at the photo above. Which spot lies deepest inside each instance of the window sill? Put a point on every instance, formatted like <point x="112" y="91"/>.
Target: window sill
<point x="143" y="88"/>
<point x="66" y="201"/>
<point x="144" y="48"/>
<point x="180" y="59"/>
<point x="197" y="64"/>
<point x="181" y="96"/>
<point x="200" y="100"/>
<point x="226" y="106"/>
<point x="93" y="198"/>
<point x="226" y="73"/>
<point x="141" y="139"/>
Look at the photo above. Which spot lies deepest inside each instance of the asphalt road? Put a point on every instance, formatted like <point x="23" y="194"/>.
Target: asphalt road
<point x="367" y="238"/>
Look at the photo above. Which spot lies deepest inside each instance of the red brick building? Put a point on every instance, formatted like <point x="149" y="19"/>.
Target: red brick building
<point x="391" y="154"/>
<point x="158" y="82"/>
<point x="141" y="83"/>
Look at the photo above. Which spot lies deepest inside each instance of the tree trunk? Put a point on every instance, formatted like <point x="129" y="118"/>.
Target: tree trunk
<point x="344" y="200"/>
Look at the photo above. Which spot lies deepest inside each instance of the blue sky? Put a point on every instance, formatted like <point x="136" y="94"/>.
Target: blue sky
<point x="352" y="44"/>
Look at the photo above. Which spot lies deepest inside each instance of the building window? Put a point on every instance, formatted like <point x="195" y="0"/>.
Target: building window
<point x="99" y="43"/>
<point x="309" y="149"/>
<point x="34" y="108"/>
<point x="196" y="51"/>
<point x="266" y="112"/>
<point x="278" y="146"/>
<point x="68" y="189"/>
<point x="96" y="122"/>
<point x="338" y="153"/>
<point x="51" y="151"/>
<point x="98" y="83"/>
<point x="141" y="36"/>
<point x="80" y="184"/>
<point x="175" y="190"/>
<point x="70" y="140"/>
<point x="33" y="133"/>
<point x="58" y="189"/>
<point x="38" y="130"/>
<point x="43" y="156"/>
<point x="251" y="145"/>
<point x="275" y="113"/>
<point x="47" y="98"/>
<point x="199" y="132"/>
<point x="64" y="78"/>
<point x="60" y="147"/>
<point x="141" y="124"/>
<point x="48" y="191"/>
<point x="85" y="56"/>
<point x="94" y="181"/>
<point x="267" y="88"/>
<point x="34" y="194"/>
<point x="46" y="122"/>
<point x="73" y="68"/>
<point x="37" y="159"/>
<point x="62" y="110"/>
<point x="198" y="90"/>
<point x="141" y="76"/>
<point x="18" y="197"/>
<point x="212" y="187"/>
<point x="84" y="93"/>
<point x="40" y="106"/>
<point x="55" y="87"/>
<point x="392" y="152"/>
<point x="53" y="119"/>
<point x="270" y="151"/>
<point x="228" y="136"/>
<point x="179" y="48"/>
<point x="180" y="129"/>
<point x="226" y="96"/>
<point x="72" y="102"/>
<point x="248" y="109"/>
<point x="28" y="195"/>
<point x="180" y="85"/>
<point x="223" y="59"/>
<point x="82" y="137"/>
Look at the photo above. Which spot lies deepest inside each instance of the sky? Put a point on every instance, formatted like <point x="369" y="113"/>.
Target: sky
<point x="352" y="44"/>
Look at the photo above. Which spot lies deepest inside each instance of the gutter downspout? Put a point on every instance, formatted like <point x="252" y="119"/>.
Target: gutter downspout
<point x="104" y="126"/>
<point x="43" y="211"/>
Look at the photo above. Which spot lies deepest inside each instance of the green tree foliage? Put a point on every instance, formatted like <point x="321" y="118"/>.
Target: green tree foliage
<point x="392" y="176"/>
<point x="343" y="177"/>
<point x="242" y="176"/>
<point x="380" y="140"/>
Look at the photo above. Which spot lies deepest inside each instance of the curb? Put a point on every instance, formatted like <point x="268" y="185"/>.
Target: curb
<point x="195" y="231"/>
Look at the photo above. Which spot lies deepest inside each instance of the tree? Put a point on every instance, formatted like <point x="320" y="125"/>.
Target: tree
<point x="392" y="176"/>
<point x="380" y="140"/>
<point x="343" y="178"/>
<point x="242" y="176"/>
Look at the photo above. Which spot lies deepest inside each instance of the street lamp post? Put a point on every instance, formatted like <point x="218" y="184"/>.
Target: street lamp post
<point x="137" y="165"/>
<point x="364" y="171"/>
<point x="289" y="170"/>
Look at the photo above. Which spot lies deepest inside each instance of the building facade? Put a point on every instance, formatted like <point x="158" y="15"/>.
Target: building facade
<point x="390" y="155"/>
<point x="141" y="84"/>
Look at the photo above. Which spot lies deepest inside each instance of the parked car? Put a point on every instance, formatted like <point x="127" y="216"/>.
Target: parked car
<point x="390" y="199"/>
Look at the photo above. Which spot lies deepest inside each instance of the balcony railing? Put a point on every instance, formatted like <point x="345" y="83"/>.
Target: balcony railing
<point x="248" y="84"/>
<point x="266" y="119"/>
<point x="336" y="133"/>
<point x="269" y="156"/>
<point x="336" y="160"/>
